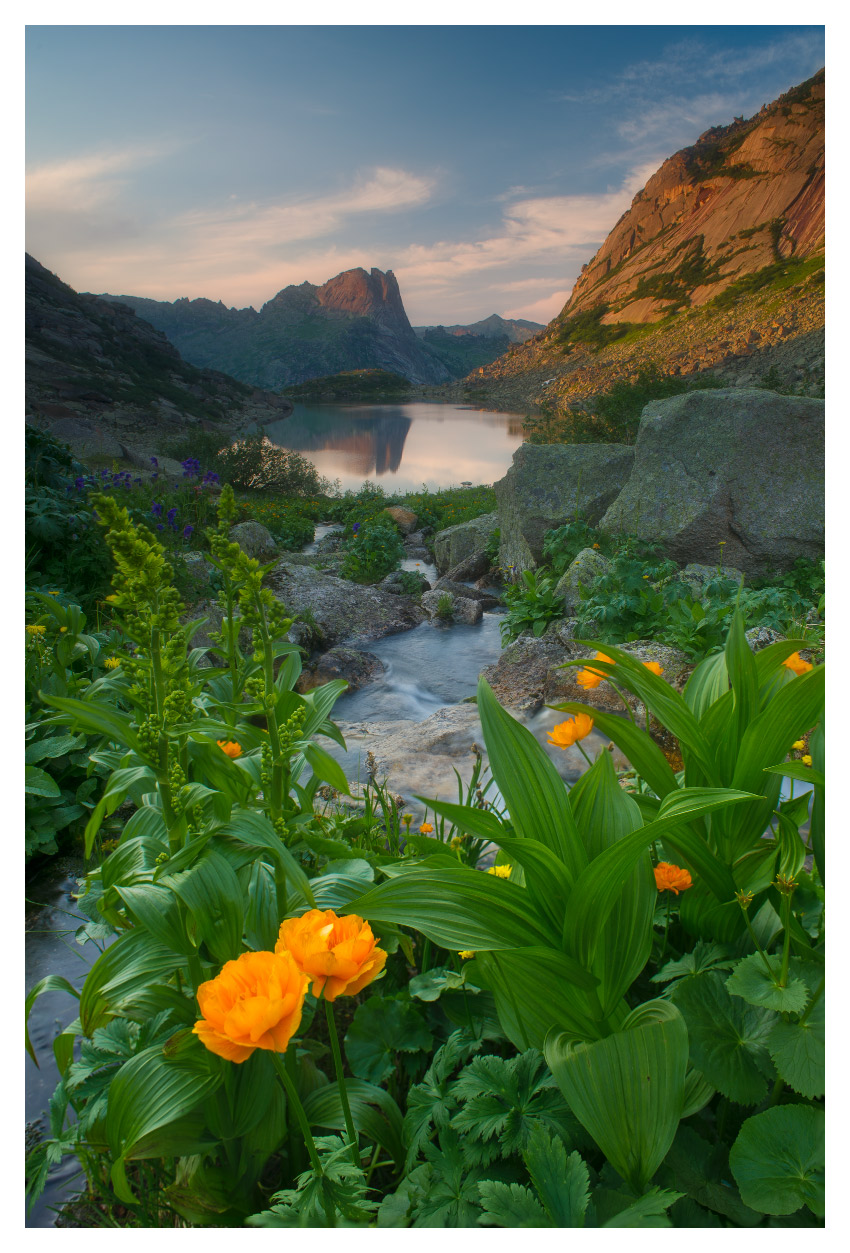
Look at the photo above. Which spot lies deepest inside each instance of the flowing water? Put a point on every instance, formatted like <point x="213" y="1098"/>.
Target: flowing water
<point x="403" y="446"/>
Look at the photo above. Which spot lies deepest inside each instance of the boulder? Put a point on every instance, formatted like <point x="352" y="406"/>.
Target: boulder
<point x="356" y="667"/>
<point x="547" y="486"/>
<point x="455" y="543"/>
<point x="579" y="575"/>
<point x="466" y="610"/>
<point x="255" y="540"/>
<point x="405" y="519"/>
<point x="343" y="611"/>
<point x="696" y="576"/>
<point x="396" y="579"/>
<point x="470" y="569"/>
<point x="738" y="466"/>
<point x="487" y="599"/>
<point x="423" y="754"/>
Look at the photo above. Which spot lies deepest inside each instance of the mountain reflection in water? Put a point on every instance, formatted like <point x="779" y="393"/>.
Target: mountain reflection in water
<point x="409" y="444"/>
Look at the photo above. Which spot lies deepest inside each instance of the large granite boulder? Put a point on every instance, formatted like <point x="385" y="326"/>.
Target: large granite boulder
<point x="405" y="519"/>
<point x="343" y="611"/>
<point x="547" y="486"/>
<point x="463" y="540"/>
<point x="578" y="576"/>
<point x="255" y="540"/>
<point x="353" y="665"/>
<point x="739" y="466"/>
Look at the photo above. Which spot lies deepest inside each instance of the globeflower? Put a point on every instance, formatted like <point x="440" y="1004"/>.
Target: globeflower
<point x="466" y="954"/>
<point x="339" y="955"/>
<point x="670" y="878"/>
<point x="255" y="1002"/>
<point x="590" y="678"/>
<point x="806" y="760"/>
<point x="795" y="662"/>
<point x="654" y="667"/>
<point x="501" y="872"/>
<point x="426" y="828"/>
<point x="798" y="746"/>
<point x="574" y="729"/>
<point x="230" y="747"/>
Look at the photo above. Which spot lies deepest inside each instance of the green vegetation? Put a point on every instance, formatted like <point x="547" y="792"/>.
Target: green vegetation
<point x="588" y="328"/>
<point x="372" y="549"/>
<point x="358" y="385"/>
<point x="461" y="354"/>
<point x="552" y="1042"/>
<point x="613" y="416"/>
<point x="779" y="276"/>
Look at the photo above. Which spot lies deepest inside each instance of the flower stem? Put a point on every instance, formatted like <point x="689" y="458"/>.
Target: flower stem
<point x="666" y="930"/>
<point x="340" y="1079"/>
<point x="295" y="1104"/>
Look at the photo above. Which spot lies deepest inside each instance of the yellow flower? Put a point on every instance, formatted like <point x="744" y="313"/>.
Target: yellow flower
<point x="339" y="954"/>
<point x="52" y="593"/>
<point x="35" y="628"/>
<point x="670" y="878"/>
<point x="590" y="678"/>
<point x="255" y="1002"/>
<point x="230" y="747"/>
<point x="455" y="842"/>
<point x="795" y="662"/>
<point x="112" y="663"/>
<point x="569" y="732"/>
<point x="807" y="761"/>
<point x="407" y="819"/>
<point x="654" y="667"/>
<point x="425" y="828"/>
<point x="62" y="630"/>
<point x="501" y="872"/>
<point x="466" y="954"/>
<point x="798" y="745"/>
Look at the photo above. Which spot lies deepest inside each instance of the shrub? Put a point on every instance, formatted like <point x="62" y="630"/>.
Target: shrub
<point x="256" y="464"/>
<point x="532" y="603"/>
<point x="372" y="551"/>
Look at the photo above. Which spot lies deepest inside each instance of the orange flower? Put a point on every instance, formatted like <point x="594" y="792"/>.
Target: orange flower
<point x="654" y="667"/>
<point x="230" y="747"/>
<point x="592" y="678"/>
<point x="426" y="828"/>
<point x="567" y="733"/>
<point x="254" y="1003"/>
<point x="795" y="662"/>
<point x="338" y="954"/>
<point x="670" y="878"/>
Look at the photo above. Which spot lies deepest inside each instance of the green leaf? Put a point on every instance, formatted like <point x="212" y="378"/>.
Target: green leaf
<point x="705" y="956"/>
<point x="374" y="1112"/>
<point x="649" y="1211"/>
<point x="537" y="989"/>
<point x="127" y="969"/>
<point x="99" y="719"/>
<point x="255" y="831"/>
<point x="796" y="770"/>
<point x="798" y="1051"/>
<point x="741" y="665"/>
<point x="752" y="983"/>
<point x="709" y="681"/>
<point x="382" y="1028"/>
<point x="50" y="983"/>
<point x="510" y="1205"/>
<point x="39" y="783"/>
<point x="778" y="1160"/>
<point x="627" y="1089"/>
<point x="212" y="894"/>
<point x="702" y="1172"/>
<point x="562" y="1182"/>
<point x="534" y="792"/>
<point x="817" y="748"/>
<point x="155" y="909"/>
<point x="324" y="767"/>
<point x="459" y="909"/>
<point x="728" y="1038"/>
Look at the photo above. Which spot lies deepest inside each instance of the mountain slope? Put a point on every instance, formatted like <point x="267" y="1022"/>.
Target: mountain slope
<point x="718" y="264"/>
<point x="89" y="359"/>
<point x="354" y="321"/>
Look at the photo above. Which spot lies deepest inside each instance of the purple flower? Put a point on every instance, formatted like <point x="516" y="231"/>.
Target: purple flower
<point x="160" y="527"/>
<point x="211" y="477"/>
<point x="104" y="474"/>
<point x="191" y="467"/>
<point x="138" y="482"/>
<point x="171" y="515"/>
<point x="154" y="462"/>
<point x="187" y="530"/>
<point x="156" y="509"/>
<point x="355" y="528"/>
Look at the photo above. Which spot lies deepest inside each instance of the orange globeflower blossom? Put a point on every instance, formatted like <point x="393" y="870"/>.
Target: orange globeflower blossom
<point x="338" y="954"/>
<point x="670" y="878"/>
<point x="654" y="667"/>
<point x="426" y="828"/>
<point x="590" y="678"/>
<point x="230" y="747"/>
<point x="254" y="1003"/>
<point x="795" y="662"/>
<point x="567" y="733"/>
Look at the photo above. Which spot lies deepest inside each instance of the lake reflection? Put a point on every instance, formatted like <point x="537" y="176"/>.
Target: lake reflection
<point x="403" y="445"/>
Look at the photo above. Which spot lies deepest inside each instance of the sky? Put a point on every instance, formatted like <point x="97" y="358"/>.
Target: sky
<point x="483" y="164"/>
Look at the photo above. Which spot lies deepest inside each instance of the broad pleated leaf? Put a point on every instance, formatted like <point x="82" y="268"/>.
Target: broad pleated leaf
<point x="212" y="894"/>
<point x="155" y="909"/>
<point x="324" y="767"/>
<point x="778" y="1160"/>
<point x="534" y="792"/>
<point x="458" y="909"/>
<point x="373" y="1110"/>
<point x="709" y="681"/>
<point x="817" y="748"/>
<point x="254" y="830"/>
<point x="627" y="1089"/>
<point x="86" y="715"/>
<point x="121" y="973"/>
<point x="50" y="983"/>
<point x="535" y="990"/>
<point x="743" y="675"/>
<point x="641" y="750"/>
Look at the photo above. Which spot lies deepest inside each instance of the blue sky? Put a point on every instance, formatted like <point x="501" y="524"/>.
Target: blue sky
<point x="483" y="164"/>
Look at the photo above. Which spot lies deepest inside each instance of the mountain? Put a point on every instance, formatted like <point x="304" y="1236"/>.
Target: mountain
<point x="717" y="265"/>
<point x="465" y="348"/>
<point x="90" y="360"/>
<point x="515" y="330"/>
<point x="354" y="321"/>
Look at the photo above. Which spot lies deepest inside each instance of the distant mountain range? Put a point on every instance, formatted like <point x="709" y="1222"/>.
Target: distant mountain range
<point x="354" y="321"/>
